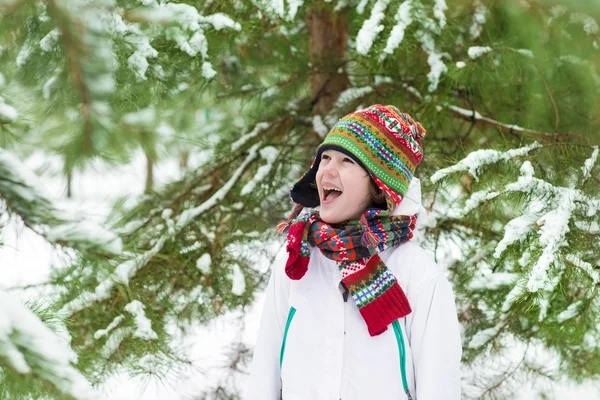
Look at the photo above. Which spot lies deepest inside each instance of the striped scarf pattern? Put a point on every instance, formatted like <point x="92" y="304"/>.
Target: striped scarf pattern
<point x="355" y="245"/>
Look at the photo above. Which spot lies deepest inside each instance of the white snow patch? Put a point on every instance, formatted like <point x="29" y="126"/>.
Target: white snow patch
<point x="23" y="333"/>
<point x="259" y="127"/>
<point x="589" y="164"/>
<point x="47" y="43"/>
<point x="145" y="117"/>
<point x="203" y="263"/>
<point x="483" y="337"/>
<point x="477" y="51"/>
<point x="571" y="312"/>
<point x="207" y="70"/>
<point x="403" y="19"/>
<point x="7" y="113"/>
<point x="478" y="19"/>
<point x="103" y="332"/>
<point x="319" y="126"/>
<point x="493" y="281"/>
<point x="269" y="154"/>
<point x="439" y="12"/>
<point x="88" y="235"/>
<point x="371" y="28"/>
<point x="143" y="324"/>
<point x="480" y="158"/>
<point x="237" y="279"/>
<point x="352" y="94"/>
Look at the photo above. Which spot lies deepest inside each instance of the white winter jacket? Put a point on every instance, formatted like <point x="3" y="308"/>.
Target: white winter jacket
<point x="313" y="345"/>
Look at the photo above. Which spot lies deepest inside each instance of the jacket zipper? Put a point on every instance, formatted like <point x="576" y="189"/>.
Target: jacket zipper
<point x="285" y="333"/>
<point x="402" y="351"/>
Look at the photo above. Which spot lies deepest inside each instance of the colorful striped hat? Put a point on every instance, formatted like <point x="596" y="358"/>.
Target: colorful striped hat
<point x="384" y="141"/>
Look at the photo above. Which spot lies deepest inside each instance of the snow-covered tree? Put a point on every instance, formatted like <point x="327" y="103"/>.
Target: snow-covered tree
<point x="242" y="91"/>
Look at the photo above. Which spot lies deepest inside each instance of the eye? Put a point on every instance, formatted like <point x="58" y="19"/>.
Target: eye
<point x="349" y="160"/>
<point x="323" y="157"/>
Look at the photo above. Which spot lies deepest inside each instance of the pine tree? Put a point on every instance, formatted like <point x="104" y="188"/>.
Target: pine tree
<point x="508" y="92"/>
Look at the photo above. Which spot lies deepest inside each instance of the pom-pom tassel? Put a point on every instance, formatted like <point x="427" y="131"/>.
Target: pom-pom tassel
<point x="368" y="238"/>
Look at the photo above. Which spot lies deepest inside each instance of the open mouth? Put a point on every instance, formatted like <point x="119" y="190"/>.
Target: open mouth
<point x="330" y="195"/>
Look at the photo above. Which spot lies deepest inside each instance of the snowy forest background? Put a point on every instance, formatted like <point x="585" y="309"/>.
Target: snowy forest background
<point x="147" y="149"/>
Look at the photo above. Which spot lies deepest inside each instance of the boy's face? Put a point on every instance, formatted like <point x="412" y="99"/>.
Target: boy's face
<point x="338" y="170"/>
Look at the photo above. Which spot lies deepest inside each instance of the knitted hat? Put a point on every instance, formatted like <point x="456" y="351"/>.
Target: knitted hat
<point x="382" y="140"/>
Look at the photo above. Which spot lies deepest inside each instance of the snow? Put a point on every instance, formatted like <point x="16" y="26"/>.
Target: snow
<point x="48" y="86"/>
<point x="319" y="126"/>
<point x="525" y="52"/>
<point x="294" y="5"/>
<point x="403" y="19"/>
<point x="143" y="324"/>
<point x="278" y="7"/>
<point x="589" y="164"/>
<point x="221" y="21"/>
<point x="114" y="341"/>
<point x="188" y="215"/>
<point x="207" y="70"/>
<point x="478" y="19"/>
<point x="49" y="41"/>
<point x="29" y="345"/>
<point x="434" y="59"/>
<point x="555" y="225"/>
<point x="7" y="113"/>
<point x="571" y="312"/>
<point x="144" y="118"/>
<point x="203" y="263"/>
<point x="360" y="7"/>
<point x="24" y="54"/>
<point x="493" y="281"/>
<point x="588" y="226"/>
<point x="103" y="332"/>
<point x="477" y="51"/>
<point x="269" y="154"/>
<point x="484" y="336"/>
<point x="352" y="94"/>
<point x="588" y="268"/>
<point x="590" y="26"/>
<point x="515" y="230"/>
<point x="259" y="127"/>
<point x="138" y="60"/>
<point x="439" y="12"/>
<point x="237" y="278"/>
<point x="473" y="162"/>
<point x="371" y="28"/>
<point x="87" y="235"/>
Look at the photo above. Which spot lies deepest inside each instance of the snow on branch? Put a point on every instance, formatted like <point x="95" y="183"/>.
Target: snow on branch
<point x="474" y="116"/>
<point x="478" y="159"/>
<point x="403" y="19"/>
<point x="8" y="113"/>
<point x="550" y="210"/>
<point x="589" y="164"/>
<point x="186" y="28"/>
<point x="30" y="347"/>
<point x="127" y="270"/>
<point x="371" y="28"/>
<point x="143" y="324"/>
<point x="585" y="266"/>
<point x="22" y="191"/>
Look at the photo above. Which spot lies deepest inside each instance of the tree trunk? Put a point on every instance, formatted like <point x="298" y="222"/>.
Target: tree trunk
<point x="149" y="172"/>
<point x="327" y="45"/>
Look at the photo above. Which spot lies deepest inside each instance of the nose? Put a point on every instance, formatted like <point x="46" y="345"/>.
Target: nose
<point x="330" y="169"/>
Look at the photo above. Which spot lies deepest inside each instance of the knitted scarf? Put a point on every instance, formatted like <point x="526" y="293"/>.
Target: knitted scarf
<point x="355" y="245"/>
